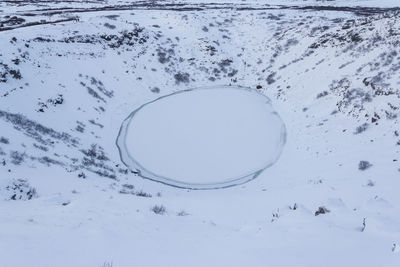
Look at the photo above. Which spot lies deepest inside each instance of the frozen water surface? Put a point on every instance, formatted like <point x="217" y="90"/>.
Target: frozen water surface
<point x="203" y="138"/>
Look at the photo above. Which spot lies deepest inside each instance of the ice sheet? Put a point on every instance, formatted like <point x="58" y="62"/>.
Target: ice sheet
<point x="203" y="138"/>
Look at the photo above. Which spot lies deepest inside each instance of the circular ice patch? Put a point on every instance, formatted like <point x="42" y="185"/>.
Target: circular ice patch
<point x="203" y="138"/>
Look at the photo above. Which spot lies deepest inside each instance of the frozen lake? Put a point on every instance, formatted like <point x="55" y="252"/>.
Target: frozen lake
<point x="203" y="138"/>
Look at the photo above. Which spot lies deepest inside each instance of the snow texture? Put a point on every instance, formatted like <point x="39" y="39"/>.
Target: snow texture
<point x="72" y="71"/>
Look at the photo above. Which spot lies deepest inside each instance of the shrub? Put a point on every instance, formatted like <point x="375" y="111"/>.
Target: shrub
<point x="141" y="193"/>
<point x="363" y="165"/>
<point x="21" y="190"/>
<point x="17" y="158"/>
<point x="181" y="77"/>
<point x="182" y="213"/>
<point x="159" y="209"/>
<point x="107" y="264"/>
<point x="361" y="128"/>
<point x="321" y="210"/>
<point x="4" y="140"/>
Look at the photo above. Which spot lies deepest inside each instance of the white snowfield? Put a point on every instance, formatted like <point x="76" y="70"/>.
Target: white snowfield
<point x="71" y="73"/>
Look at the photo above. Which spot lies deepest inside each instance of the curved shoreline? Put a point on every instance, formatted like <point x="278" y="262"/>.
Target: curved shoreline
<point x="143" y="172"/>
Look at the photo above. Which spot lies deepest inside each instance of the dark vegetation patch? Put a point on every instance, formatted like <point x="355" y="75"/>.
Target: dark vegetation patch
<point x="322" y="94"/>
<point x="165" y="55"/>
<point x="58" y="100"/>
<point x="182" y="213"/>
<point x="21" y="190"/>
<point x="95" y="152"/>
<point x="35" y="23"/>
<point x="353" y="99"/>
<point x="130" y="189"/>
<point x="127" y="189"/>
<point x="362" y="128"/>
<point x="100" y="86"/>
<point x="17" y="157"/>
<point x="123" y="38"/>
<point x="4" y="140"/>
<point x="370" y="183"/>
<point x="96" y="88"/>
<point x="93" y="93"/>
<point x="49" y="161"/>
<point x="110" y="26"/>
<point x="37" y="131"/>
<point x="141" y="193"/>
<point x="232" y="73"/>
<point x="358" y="38"/>
<point x="155" y="90"/>
<point x="362" y="31"/>
<point x="377" y="85"/>
<point x="112" y="17"/>
<point x="80" y="127"/>
<point x="11" y="21"/>
<point x="182" y="77"/>
<point x="211" y="50"/>
<point x="159" y="209"/>
<point x="225" y="67"/>
<point x="271" y="78"/>
<point x="40" y="147"/>
<point x="359" y="11"/>
<point x="375" y="118"/>
<point x="96" y="124"/>
<point x="321" y="210"/>
<point x="224" y="64"/>
<point x="6" y="72"/>
<point x="159" y="5"/>
<point x="363" y="165"/>
<point x="95" y="159"/>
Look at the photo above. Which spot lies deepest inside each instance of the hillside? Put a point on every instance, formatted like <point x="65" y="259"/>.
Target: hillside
<point x="72" y="71"/>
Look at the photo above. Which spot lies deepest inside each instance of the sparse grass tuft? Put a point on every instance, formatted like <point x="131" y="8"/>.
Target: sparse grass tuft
<point x="107" y="264"/>
<point x="159" y="209"/>
<point x="363" y="165"/>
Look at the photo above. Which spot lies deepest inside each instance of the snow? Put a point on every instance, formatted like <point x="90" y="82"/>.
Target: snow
<point x="203" y="138"/>
<point x="332" y="75"/>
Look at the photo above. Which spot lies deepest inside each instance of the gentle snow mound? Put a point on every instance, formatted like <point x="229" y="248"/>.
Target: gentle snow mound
<point x="203" y="138"/>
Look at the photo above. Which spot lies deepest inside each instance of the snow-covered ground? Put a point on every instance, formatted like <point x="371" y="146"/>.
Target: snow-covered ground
<point x="72" y="71"/>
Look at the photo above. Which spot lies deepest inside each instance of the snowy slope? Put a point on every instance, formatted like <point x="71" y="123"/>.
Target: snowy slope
<point x="65" y="88"/>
